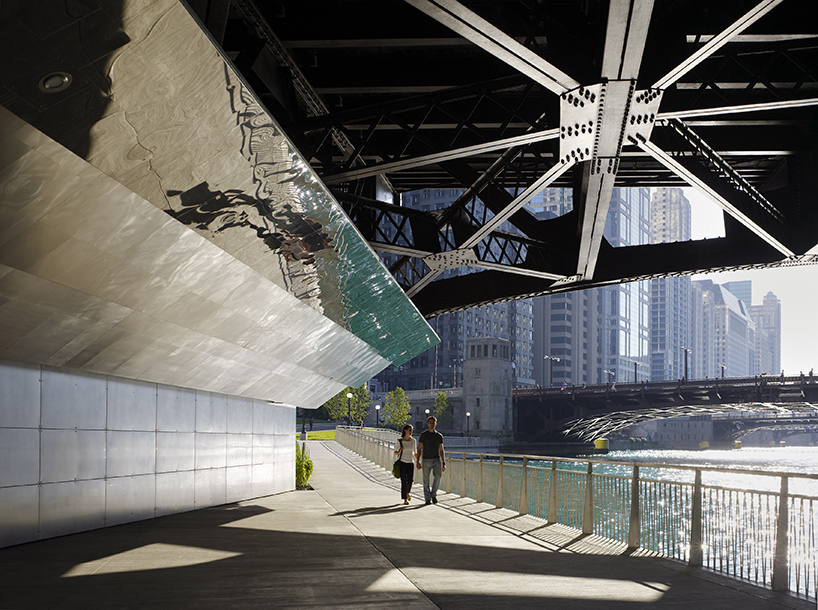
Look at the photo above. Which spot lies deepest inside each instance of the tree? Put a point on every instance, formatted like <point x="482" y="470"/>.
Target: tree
<point x="443" y="411"/>
<point x="396" y="408"/>
<point x="336" y="407"/>
<point x="359" y="405"/>
<point x="339" y="407"/>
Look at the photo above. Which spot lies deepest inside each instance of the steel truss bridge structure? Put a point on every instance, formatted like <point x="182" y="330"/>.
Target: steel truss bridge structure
<point x="502" y="98"/>
<point x="783" y="425"/>
<point x="595" y="411"/>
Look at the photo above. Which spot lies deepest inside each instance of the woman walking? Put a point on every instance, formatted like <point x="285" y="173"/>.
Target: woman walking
<point x="406" y="449"/>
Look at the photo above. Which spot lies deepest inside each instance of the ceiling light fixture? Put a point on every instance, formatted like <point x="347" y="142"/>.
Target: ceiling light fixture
<point x="55" y="82"/>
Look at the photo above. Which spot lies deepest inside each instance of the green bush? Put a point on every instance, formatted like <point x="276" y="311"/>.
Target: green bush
<point x="303" y="466"/>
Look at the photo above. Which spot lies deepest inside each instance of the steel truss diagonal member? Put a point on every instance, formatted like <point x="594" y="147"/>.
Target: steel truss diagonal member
<point x="464" y="255"/>
<point x="716" y="42"/>
<point x="458" y="18"/>
<point x="692" y="179"/>
<point x="627" y="28"/>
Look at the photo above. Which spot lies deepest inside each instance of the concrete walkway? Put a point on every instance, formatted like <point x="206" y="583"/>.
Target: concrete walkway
<point x="351" y="543"/>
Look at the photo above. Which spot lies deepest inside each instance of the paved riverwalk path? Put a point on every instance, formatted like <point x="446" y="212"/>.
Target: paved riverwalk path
<point x="351" y="543"/>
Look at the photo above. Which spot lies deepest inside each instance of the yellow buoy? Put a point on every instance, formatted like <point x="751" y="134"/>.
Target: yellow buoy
<point x="601" y="445"/>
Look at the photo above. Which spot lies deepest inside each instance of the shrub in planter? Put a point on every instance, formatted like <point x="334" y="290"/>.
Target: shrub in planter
<point x="303" y="466"/>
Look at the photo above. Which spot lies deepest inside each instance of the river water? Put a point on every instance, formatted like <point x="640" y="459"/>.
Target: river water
<point x="793" y="460"/>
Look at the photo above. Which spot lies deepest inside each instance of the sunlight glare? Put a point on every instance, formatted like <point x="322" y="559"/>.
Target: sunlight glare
<point x="157" y="556"/>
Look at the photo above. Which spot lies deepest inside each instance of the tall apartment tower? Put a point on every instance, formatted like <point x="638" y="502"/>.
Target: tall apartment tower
<point x="730" y="330"/>
<point x="671" y="314"/>
<point x="601" y="333"/>
<point x="442" y="366"/>
<point x="743" y="289"/>
<point x="767" y="318"/>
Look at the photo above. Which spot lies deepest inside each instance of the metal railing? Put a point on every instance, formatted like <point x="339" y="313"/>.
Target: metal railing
<point x="764" y="536"/>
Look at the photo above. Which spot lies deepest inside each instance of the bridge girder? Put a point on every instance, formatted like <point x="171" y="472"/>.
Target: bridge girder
<point x="550" y="414"/>
<point x="499" y="99"/>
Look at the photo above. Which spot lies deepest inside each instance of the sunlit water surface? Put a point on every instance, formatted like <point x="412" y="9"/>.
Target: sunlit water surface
<point x="792" y="460"/>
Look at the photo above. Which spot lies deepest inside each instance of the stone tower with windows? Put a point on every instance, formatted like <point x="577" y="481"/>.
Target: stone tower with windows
<point x="487" y="384"/>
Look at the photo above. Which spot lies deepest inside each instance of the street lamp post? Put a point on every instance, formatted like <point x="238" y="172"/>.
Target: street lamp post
<point x="551" y="358"/>
<point x="349" y="409"/>
<point x="467" y="422"/>
<point x="377" y="416"/>
<point x="722" y="367"/>
<point x="610" y="374"/>
<point x="686" y="351"/>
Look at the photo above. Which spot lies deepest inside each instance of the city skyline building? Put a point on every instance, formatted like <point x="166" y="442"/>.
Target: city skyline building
<point x="442" y="366"/>
<point x="671" y="297"/>
<point x="601" y="334"/>
<point x="665" y="328"/>
<point x="728" y="333"/>
<point x="767" y="318"/>
<point x="742" y="289"/>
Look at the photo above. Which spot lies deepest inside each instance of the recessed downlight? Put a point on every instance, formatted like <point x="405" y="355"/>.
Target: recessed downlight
<point x="55" y="82"/>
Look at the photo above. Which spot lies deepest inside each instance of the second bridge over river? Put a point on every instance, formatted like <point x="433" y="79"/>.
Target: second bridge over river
<point x="584" y="413"/>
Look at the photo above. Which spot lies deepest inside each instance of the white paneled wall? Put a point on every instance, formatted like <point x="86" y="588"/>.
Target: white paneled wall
<point x="80" y="451"/>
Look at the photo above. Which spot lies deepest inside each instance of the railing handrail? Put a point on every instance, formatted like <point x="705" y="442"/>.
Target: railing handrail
<point x="547" y="458"/>
<point x="702" y="536"/>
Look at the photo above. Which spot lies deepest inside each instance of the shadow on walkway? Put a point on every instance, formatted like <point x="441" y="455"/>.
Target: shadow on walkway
<point x="350" y="544"/>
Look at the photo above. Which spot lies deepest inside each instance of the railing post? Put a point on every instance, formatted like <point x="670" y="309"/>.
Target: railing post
<point x="463" y="478"/>
<point x="448" y="475"/>
<point x="524" y="488"/>
<point x="781" y="575"/>
<point x="588" y="514"/>
<point x="696" y="551"/>
<point x="552" y="494"/>
<point x="635" y="525"/>
<point x="498" y="500"/>
<point x="480" y="480"/>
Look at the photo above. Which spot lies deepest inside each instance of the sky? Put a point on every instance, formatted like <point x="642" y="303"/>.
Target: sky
<point x="796" y="287"/>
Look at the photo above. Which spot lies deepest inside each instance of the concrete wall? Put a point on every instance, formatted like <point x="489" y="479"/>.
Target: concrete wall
<point x="81" y="451"/>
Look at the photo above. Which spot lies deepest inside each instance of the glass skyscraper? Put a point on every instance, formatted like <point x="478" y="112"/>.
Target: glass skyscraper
<point x="599" y="334"/>
<point x="671" y="336"/>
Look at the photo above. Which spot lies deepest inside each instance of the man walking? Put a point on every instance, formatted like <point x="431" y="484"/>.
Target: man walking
<point x="430" y="450"/>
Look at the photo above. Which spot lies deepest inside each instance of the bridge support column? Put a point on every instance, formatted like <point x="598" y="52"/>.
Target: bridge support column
<point x="635" y="525"/>
<point x="524" y="488"/>
<point x="552" y="494"/>
<point x="588" y="513"/>
<point x="781" y="572"/>
<point x="696" y="551"/>
<point x="498" y="500"/>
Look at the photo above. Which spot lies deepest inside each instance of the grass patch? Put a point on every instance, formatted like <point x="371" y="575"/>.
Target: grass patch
<point x="321" y="435"/>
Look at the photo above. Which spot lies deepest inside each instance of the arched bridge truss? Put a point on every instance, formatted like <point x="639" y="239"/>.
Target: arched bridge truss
<point x="588" y="413"/>
<point x="783" y="425"/>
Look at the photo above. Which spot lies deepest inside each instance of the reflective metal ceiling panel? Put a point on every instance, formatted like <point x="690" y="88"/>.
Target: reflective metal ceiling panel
<point x="156" y="223"/>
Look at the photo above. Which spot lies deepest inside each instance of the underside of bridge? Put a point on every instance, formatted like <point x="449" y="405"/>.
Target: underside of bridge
<point x="503" y="98"/>
<point x="734" y="430"/>
<point x="585" y="414"/>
